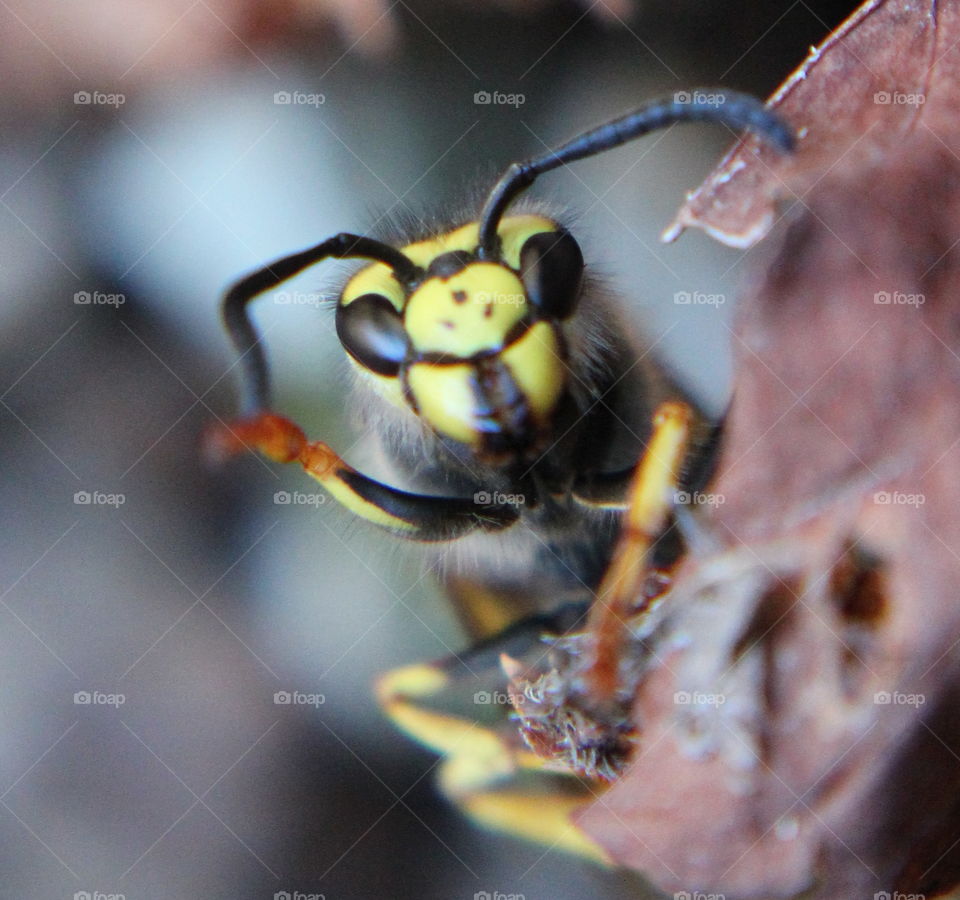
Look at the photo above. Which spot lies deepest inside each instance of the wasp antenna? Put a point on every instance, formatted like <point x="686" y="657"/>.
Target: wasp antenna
<point x="255" y="392"/>
<point x="735" y="110"/>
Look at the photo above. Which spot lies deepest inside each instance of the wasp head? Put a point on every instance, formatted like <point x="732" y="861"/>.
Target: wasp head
<point x="473" y="345"/>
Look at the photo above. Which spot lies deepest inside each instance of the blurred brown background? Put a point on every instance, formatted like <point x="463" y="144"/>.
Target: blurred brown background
<point x="148" y="159"/>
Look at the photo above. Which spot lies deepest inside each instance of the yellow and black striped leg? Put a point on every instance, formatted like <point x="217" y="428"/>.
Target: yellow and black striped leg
<point x="458" y="708"/>
<point x="575" y="706"/>
<point x="574" y="728"/>
<point x="650" y="500"/>
<point x="419" y="517"/>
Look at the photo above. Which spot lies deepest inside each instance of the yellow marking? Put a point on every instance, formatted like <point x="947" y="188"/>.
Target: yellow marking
<point x="365" y="509"/>
<point x="463" y="774"/>
<point x="344" y="495"/>
<point x="649" y="505"/>
<point x="471" y="311"/>
<point x="444" y="396"/>
<point x="448" y="735"/>
<point x="378" y="278"/>
<point x="612" y="504"/>
<point x="375" y="279"/>
<point x="538" y="368"/>
<point x="443" y="733"/>
<point x="514" y="232"/>
<point x="477" y="758"/>
<point x="416" y="680"/>
<point x="489" y="612"/>
<point x="481" y="756"/>
<point x="423" y="253"/>
<point x="544" y="818"/>
<point x="649" y="501"/>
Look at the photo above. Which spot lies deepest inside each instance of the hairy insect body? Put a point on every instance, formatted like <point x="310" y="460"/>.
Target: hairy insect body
<point x="558" y="548"/>
<point x="538" y="451"/>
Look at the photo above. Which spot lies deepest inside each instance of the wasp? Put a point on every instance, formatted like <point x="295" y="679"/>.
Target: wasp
<point x="541" y="453"/>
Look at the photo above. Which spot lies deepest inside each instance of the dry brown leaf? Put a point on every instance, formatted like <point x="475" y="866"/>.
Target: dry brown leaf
<point x="817" y="617"/>
<point x="831" y="572"/>
<point x="891" y="69"/>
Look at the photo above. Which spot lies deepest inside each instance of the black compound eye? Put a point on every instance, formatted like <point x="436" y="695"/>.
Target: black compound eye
<point x="371" y="331"/>
<point x="551" y="267"/>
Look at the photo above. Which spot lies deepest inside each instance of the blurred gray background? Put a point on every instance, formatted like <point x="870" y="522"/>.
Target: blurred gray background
<point x="146" y="164"/>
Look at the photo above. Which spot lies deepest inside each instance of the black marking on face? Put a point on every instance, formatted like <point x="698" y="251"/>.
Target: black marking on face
<point x="447" y="265"/>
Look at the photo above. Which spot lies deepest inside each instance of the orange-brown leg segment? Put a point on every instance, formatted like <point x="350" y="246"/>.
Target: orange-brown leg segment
<point x="420" y="517"/>
<point x="650" y="500"/>
<point x="274" y="436"/>
<point x="416" y="516"/>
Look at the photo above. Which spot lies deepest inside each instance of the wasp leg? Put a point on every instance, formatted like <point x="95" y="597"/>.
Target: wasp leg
<point x="255" y="384"/>
<point x="415" y="516"/>
<point x="419" y="517"/>
<point x="487" y="770"/>
<point x="649" y="503"/>
<point x="575" y="706"/>
<point x="541" y="812"/>
<point x="440" y="703"/>
<point x="611" y="490"/>
<point x="477" y="752"/>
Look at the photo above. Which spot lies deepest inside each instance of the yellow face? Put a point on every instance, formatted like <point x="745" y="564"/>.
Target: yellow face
<point x="467" y="348"/>
<point x="468" y="313"/>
